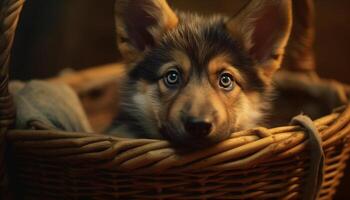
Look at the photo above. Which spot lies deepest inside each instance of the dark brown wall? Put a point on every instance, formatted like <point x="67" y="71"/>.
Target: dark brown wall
<point x="80" y="33"/>
<point x="332" y="44"/>
<point x="57" y="34"/>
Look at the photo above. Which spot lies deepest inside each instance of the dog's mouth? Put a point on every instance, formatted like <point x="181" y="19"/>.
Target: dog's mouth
<point x="182" y="139"/>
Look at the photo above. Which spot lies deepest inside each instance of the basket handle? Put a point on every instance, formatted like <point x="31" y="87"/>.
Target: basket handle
<point x="299" y="54"/>
<point x="9" y="15"/>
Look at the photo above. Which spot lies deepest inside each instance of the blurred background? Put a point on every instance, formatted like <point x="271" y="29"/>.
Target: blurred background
<point x="80" y="33"/>
<point x="53" y="35"/>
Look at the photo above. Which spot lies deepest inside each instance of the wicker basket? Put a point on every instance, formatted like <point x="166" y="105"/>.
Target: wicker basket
<point x="278" y="163"/>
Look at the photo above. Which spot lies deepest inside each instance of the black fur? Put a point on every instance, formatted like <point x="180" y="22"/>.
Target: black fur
<point x="201" y="38"/>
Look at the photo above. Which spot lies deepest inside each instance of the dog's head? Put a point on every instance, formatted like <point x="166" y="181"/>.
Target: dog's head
<point x="196" y="79"/>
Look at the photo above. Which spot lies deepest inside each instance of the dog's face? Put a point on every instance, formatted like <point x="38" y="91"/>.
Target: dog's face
<point x="193" y="79"/>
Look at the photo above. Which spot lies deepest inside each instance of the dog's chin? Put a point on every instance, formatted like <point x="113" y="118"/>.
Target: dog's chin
<point x="185" y="141"/>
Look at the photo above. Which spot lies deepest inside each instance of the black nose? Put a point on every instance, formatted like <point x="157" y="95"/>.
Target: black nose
<point x="198" y="127"/>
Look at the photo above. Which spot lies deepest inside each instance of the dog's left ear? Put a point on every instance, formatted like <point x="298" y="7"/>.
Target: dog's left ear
<point x="264" y="26"/>
<point x="140" y="24"/>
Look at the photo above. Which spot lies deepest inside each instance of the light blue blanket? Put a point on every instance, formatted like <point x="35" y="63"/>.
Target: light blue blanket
<point x="54" y="104"/>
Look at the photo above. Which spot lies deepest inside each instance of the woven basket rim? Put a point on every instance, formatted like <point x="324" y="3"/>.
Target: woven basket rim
<point x="243" y="149"/>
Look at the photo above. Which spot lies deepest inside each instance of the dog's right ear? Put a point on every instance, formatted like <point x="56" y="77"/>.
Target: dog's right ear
<point x="140" y="25"/>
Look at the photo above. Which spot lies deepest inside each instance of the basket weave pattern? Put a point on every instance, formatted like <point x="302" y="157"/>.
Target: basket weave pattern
<point x="257" y="163"/>
<point x="253" y="164"/>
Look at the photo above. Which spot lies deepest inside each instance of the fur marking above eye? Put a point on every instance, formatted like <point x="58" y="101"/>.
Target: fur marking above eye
<point x="172" y="78"/>
<point x="226" y="81"/>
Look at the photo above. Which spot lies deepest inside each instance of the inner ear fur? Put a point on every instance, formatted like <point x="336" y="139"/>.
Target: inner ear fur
<point x="140" y="25"/>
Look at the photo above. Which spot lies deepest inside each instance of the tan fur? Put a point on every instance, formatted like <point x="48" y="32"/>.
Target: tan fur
<point x="230" y="107"/>
<point x="182" y="60"/>
<point x="201" y="98"/>
<point x="251" y="111"/>
<point x="222" y="62"/>
<point x="163" y="70"/>
<point x="170" y="19"/>
<point x="267" y="69"/>
<point x="148" y="106"/>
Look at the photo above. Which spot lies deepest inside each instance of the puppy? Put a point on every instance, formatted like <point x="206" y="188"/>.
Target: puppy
<point x="193" y="79"/>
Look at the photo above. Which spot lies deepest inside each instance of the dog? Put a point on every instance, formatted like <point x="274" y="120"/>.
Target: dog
<point x="191" y="79"/>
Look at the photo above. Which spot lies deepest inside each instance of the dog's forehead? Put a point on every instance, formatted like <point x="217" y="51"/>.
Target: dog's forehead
<point x="194" y="43"/>
<point x="202" y="39"/>
<point x="214" y="64"/>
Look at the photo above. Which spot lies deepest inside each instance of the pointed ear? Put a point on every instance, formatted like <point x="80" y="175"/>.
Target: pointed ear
<point x="264" y="27"/>
<point x="141" y="23"/>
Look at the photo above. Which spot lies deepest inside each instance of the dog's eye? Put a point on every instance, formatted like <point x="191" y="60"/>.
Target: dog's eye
<point x="226" y="81"/>
<point x="172" y="78"/>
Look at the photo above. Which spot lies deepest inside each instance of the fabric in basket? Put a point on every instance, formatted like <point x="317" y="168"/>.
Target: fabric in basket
<point x="54" y="104"/>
